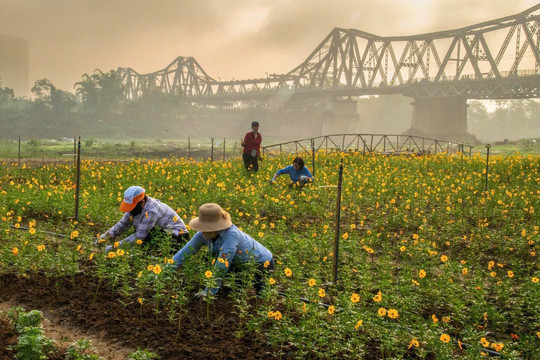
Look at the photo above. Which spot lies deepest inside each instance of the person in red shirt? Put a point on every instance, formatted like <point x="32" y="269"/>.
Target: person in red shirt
<point x="252" y="148"/>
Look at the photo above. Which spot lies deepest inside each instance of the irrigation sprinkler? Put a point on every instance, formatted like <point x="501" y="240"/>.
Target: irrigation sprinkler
<point x="313" y="157"/>
<point x="212" y="151"/>
<point x="19" y="156"/>
<point x="223" y="149"/>
<point x="78" y="180"/>
<point x="488" y="146"/>
<point x="338" y="218"/>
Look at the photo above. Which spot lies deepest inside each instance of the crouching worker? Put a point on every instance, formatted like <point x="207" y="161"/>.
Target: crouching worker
<point x="298" y="172"/>
<point x="152" y="220"/>
<point x="229" y="246"/>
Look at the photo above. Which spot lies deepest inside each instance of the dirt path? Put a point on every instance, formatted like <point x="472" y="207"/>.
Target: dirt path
<point x="64" y="335"/>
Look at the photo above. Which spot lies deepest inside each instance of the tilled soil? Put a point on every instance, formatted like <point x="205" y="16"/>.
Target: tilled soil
<point x="69" y="302"/>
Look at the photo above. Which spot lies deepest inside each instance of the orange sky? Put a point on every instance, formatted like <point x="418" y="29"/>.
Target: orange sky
<point x="230" y="38"/>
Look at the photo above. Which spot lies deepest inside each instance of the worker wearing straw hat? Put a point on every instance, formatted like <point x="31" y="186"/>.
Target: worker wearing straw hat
<point x="228" y="245"/>
<point x="152" y="220"/>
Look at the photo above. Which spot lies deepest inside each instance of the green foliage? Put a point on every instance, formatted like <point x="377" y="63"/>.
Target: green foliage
<point x="82" y="350"/>
<point x="142" y="355"/>
<point x="31" y="318"/>
<point x="427" y="256"/>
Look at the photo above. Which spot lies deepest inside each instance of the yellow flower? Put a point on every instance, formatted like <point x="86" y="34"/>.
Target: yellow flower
<point x="345" y="236"/>
<point x="312" y="282"/>
<point x="464" y="271"/>
<point x="120" y="252"/>
<point x="444" y="258"/>
<point x="497" y="346"/>
<point x="32" y="231"/>
<point x="446" y="319"/>
<point x="534" y="279"/>
<point x="414" y="343"/>
<point x="322" y="293"/>
<point x="434" y="318"/>
<point x="208" y="274"/>
<point x="378" y="297"/>
<point x="91" y="256"/>
<point x="74" y="234"/>
<point x="266" y="264"/>
<point x="139" y="242"/>
<point x="358" y="324"/>
<point x="422" y="273"/>
<point x="17" y="226"/>
<point x="288" y="272"/>
<point x="331" y="309"/>
<point x="40" y="248"/>
<point x="111" y="255"/>
<point x="382" y="311"/>
<point x="510" y="273"/>
<point x="445" y="338"/>
<point x="15" y="251"/>
<point x="156" y="269"/>
<point x="393" y="313"/>
<point x="355" y="297"/>
<point x="272" y="281"/>
<point x="150" y="267"/>
<point x="402" y="249"/>
<point x="140" y="300"/>
<point x="484" y="342"/>
<point x="261" y="234"/>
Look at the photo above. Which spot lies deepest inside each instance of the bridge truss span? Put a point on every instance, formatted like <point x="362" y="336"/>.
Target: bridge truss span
<point x="494" y="59"/>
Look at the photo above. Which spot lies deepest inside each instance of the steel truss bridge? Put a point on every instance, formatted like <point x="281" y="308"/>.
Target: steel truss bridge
<point x="494" y="59"/>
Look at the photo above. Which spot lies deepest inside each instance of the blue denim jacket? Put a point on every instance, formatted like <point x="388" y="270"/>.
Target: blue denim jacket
<point x="295" y="175"/>
<point x="230" y="245"/>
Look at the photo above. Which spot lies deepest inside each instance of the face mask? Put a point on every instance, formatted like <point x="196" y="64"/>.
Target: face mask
<point x="137" y="209"/>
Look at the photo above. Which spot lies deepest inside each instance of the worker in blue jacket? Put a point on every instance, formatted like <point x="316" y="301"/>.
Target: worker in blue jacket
<point x="298" y="173"/>
<point x="228" y="245"/>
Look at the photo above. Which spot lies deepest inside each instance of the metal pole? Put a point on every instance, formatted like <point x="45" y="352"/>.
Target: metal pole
<point x="487" y="165"/>
<point x="78" y="181"/>
<point x="19" y="157"/>
<point x="223" y="149"/>
<point x="313" y="157"/>
<point x="338" y="218"/>
<point x="75" y="150"/>
<point x="188" y="148"/>
<point x="212" y="151"/>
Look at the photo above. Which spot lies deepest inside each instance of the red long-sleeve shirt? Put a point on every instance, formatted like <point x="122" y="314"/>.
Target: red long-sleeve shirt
<point x="250" y="142"/>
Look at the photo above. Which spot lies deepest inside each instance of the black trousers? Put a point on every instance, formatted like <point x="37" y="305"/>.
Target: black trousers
<point x="251" y="163"/>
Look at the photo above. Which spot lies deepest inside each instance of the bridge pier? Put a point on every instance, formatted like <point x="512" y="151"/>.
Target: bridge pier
<point x="439" y="117"/>
<point x="340" y="117"/>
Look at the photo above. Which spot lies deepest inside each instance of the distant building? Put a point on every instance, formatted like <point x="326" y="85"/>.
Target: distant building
<point x="14" y="64"/>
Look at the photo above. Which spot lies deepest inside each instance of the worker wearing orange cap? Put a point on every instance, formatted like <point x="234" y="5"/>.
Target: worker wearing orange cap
<point x="151" y="219"/>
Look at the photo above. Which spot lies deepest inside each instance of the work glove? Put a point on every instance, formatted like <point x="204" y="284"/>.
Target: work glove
<point x="272" y="181"/>
<point x="202" y="294"/>
<point x="103" y="238"/>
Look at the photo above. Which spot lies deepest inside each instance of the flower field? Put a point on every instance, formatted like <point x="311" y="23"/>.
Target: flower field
<point x="431" y="265"/>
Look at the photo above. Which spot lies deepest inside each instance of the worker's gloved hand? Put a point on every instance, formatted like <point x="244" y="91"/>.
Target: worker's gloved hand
<point x="202" y="294"/>
<point x="102" y="239"/>
<point x="272" y="181"/>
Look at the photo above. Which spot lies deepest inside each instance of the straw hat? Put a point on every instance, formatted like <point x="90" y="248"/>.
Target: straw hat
<point x="211" y="218"/>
